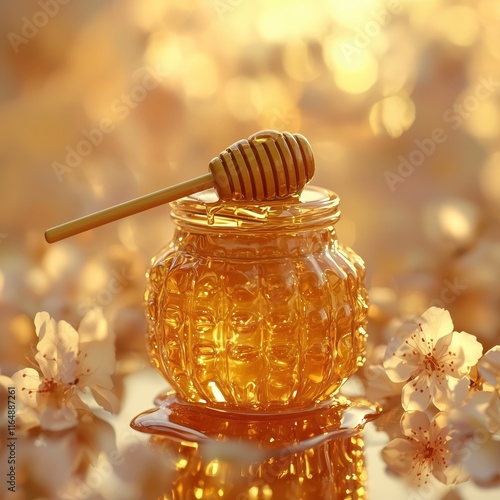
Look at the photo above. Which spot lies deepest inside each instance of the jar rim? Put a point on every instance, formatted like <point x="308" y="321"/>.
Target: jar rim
<point x="315" y="208"/>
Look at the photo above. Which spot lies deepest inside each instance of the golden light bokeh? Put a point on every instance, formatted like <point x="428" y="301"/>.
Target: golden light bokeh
<point x="462" y="16"/>
<point x="353" y="73"/>
<point x="392" y="115"/>
<point x="105" y="101"/>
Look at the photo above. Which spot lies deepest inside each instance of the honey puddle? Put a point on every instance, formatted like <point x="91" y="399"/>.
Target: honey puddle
<point x="216" y="454"/>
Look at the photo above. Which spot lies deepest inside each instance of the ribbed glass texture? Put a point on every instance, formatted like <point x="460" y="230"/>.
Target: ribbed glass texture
<point x="257" y="307"/>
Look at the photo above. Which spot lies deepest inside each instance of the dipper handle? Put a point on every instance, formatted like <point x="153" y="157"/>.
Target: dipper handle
<point x="127" y="208"/>
<point x="270" y="165"/>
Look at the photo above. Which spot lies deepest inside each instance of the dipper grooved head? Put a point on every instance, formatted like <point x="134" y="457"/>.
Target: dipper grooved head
<point x="269" y="165"/>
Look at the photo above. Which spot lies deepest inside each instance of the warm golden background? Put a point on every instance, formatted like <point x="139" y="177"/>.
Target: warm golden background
<point x="161" y="87"/>
<point x="173" y="83"/>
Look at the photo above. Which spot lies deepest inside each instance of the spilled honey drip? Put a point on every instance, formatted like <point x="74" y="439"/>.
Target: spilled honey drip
<point x="313" y="455"/>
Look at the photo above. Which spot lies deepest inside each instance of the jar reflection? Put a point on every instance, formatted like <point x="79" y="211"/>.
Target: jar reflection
<point x="334" y="469"/>
<point x="215" y="455"/>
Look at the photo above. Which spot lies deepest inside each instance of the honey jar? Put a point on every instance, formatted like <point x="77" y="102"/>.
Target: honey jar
<point x="256" y="306"/>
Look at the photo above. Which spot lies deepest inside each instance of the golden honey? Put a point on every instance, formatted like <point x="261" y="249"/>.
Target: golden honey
<point x="332" y="470"/>
<point x="213" y="454"/>
<point x="256" y="306"/>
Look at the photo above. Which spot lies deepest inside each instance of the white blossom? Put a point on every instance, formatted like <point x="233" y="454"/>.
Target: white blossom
<point x="424" y="451"/>
<point x="475" y="428"/>
<point x="433" y="360"/>
<point x="489" y="368"/>
<point x="69" y="364"/>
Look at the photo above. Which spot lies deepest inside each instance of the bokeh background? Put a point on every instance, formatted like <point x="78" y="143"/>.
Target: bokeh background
<point x="103" y="101"/>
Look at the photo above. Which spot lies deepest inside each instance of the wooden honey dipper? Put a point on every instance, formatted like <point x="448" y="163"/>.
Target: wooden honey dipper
<point x="270" y="165"/>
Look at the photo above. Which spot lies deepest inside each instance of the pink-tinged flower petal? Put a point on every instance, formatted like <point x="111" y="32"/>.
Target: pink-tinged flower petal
<point x="430" y="357"/>
<point x="44" y="324"/>
<point x="57" y="351"/>
<point x="398" y="455"/>
<point x="399" y="361"/>
<point x="97" y="361"/>
<point x="448" y="473"/>
<point x="415" y="424"/>
<point x="416" y="394"/>
<point x="468" y="350"/>
<point x="97" y="357"/>
<point x="45" y="328"/>
<point x="427" y="452"/>
<point x="493" y="414"/>
<point x="94" y="327"/>
<point x="69" y="365"/>
<point x="436" y="323"/>
<point x="106" y="399"/>
<point x="476" y="408"/>
<point x="484" y="465"/>
<point x="473" y="427"/>
<point x="443" y="354"/>
<point x="482" y="412"/>
<point x="27" y="382"/>
<point x="67" y="353"/>
<point x="58" y="419"/>
<point x="449" y="392"/>
<point x="489" y="367"/>
<point x="379" y="385"/>
<point x="438" y="427"/>
<point x="75" y="402"/>
<point x="465" y="419"/>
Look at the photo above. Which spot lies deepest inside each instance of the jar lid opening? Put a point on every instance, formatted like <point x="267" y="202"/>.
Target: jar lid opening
<point x="314" y="208"/>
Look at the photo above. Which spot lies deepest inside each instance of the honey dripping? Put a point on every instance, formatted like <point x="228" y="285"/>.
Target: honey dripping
<point x="268" y="166"/>
<point x="211" y="210"/>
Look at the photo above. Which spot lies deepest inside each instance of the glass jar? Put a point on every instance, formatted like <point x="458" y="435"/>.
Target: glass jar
<point x="257" y="306"/>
